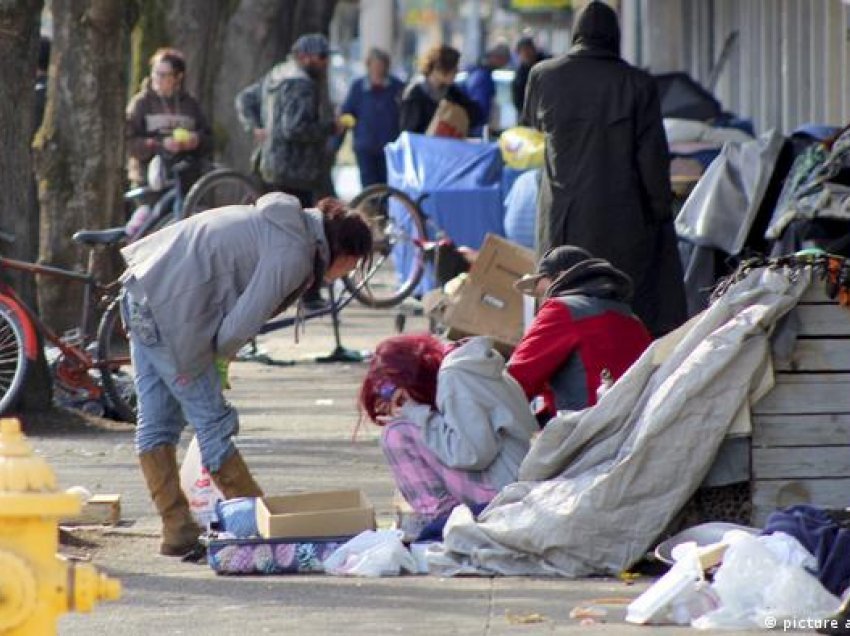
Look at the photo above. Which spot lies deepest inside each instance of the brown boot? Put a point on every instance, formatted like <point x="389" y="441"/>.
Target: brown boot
<point x="179" y="531"/>
<point x="234" y="479"/>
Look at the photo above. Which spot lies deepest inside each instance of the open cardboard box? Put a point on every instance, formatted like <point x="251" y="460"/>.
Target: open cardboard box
<point x="484" y="302"/>
<point x="334" y="513"/>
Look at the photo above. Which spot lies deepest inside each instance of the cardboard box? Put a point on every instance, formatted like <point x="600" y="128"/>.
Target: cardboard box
<point x="486" y="303"/>
<point x="98" y="510"/>
<point x="334" y="513"/>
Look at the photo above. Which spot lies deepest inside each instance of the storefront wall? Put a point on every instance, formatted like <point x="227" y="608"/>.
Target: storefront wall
<point x="787" y="61"/>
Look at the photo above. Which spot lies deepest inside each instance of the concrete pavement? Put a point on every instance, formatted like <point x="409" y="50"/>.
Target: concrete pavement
<point x="297" y="424"/>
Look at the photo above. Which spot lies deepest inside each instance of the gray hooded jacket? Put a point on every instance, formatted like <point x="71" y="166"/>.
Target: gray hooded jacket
<point x="212" y="280"/>
<point x="483" y="422"/>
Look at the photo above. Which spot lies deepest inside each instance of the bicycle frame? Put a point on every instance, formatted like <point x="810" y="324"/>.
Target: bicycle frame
<point x="34" y="324"/>
<point x="168" y="202"/>
<point x="336" y="305"/>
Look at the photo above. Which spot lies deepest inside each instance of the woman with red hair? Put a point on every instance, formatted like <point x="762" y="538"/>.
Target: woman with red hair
<point x="456" y="426"/>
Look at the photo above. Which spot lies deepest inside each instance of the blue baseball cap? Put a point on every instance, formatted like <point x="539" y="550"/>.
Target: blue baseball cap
<point x="312" y="44"/>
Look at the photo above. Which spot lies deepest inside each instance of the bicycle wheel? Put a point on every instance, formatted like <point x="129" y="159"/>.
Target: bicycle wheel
<point x="398" y="256"/>
<point x="217" y="188"/>
<point x="113" y="362"/>
<point x="13" y="359"/>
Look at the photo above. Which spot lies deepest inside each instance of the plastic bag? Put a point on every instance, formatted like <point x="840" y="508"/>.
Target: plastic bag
<point x="522" y="148"/>
<point x="238" y="516"/>
<point x="372" y="553"/>
<point x="198" y="486"/>
<point x="758" y="590"/>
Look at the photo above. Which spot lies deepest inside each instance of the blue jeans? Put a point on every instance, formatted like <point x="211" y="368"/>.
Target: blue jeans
<point x="372" y="166"/>
<point x="168" y="399"/>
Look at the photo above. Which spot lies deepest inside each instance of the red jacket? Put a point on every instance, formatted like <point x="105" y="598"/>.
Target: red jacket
<point x="570" y="342"/>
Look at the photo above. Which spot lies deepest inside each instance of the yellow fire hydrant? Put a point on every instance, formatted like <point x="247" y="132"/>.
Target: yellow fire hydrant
<point x="36" y="584"/>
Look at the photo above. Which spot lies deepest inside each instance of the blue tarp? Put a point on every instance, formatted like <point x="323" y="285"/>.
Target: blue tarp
<point x="463" y="184"/>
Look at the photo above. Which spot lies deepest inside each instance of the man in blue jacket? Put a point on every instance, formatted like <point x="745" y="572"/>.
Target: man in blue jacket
<point x="373" y="100"/>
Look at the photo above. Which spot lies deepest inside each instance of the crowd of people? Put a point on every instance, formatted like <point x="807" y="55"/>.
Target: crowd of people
<point x="457" y="418"/>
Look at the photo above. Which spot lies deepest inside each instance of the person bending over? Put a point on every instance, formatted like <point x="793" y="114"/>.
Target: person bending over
<point x="195" y="293"/>
<point x="456" y="426"/>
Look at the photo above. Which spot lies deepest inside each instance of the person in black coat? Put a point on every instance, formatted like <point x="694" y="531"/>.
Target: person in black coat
<point x="421" y="97"/>
<point x="606" y="182"/>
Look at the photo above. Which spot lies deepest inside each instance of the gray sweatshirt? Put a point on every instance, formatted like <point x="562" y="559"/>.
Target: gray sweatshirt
<point x="483" y="422"/>
<point x="212" y="280"/>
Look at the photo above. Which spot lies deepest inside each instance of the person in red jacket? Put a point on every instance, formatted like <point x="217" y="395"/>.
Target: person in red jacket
<point x="584" y="330"/>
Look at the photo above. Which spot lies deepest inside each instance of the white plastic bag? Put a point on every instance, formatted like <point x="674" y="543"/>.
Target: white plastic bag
<point x="372" y="553"/>
<point x="758" y="590"/>
<point x="198" y="486"/>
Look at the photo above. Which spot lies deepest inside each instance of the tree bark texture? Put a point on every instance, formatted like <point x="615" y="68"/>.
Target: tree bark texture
<point x="80" y="148"/>
<point x="19" y="26"/>
<point x="19" y="37"/>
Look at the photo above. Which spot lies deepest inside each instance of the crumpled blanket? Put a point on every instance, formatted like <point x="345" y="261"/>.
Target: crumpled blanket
<point x="599" y="485"/>
<point x="823" y="536"/>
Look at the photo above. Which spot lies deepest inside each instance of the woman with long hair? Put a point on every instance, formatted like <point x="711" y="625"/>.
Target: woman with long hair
<point x="195" y="292"/>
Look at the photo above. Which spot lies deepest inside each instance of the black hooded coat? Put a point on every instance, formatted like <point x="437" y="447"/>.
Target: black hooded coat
<point x="606" y="182"/>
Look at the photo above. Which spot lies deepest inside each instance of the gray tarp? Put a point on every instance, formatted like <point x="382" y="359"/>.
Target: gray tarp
<point x="720" y="211"/>
<point x="617" y="473"/>
<point x="722" y="207"/>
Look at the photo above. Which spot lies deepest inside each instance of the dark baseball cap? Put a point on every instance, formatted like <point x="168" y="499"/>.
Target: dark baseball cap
<point x="312" y="44"/>
<point x="552" y="263"/>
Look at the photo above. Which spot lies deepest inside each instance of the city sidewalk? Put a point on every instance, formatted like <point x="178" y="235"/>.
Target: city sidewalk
<point x="297" y="426"/>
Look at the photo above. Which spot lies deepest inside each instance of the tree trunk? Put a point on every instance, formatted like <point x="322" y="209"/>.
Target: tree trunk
<point x="19" y="25"/>
<point x="80" y="149"/>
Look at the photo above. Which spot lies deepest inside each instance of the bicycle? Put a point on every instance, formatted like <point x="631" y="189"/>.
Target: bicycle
<point x="399" y="239"/>
<point x="105" y="352"/>
<point x="402" y="248"/>
<point x="163" y="195"/>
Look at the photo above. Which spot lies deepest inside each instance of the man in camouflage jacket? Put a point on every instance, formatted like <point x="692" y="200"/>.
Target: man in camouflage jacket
<point x="290" y="115"/>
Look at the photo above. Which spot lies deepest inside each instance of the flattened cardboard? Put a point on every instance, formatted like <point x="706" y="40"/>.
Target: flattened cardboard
<point x="486" y="303"/>
<point x="332" y="513"/>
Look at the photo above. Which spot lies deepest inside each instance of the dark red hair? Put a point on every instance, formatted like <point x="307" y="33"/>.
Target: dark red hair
<point x="410" y="362"/>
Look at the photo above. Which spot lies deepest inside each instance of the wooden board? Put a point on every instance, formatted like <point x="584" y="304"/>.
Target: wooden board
<point x="807" y="393"/>
<point x="802" y="430"/>
<point x="823" y="320"/>
<point x="801" y="462"/>
<point x="822" y="354"/>
<point x="816" y="293"/>
<point x="99" y="510"/>
<point x="770" y="495"/>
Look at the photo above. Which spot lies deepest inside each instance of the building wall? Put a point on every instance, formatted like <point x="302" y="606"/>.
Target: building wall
<point x="788" y="61"/>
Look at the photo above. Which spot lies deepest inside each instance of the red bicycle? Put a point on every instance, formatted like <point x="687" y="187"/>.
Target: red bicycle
<point x="92" y="364"/>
